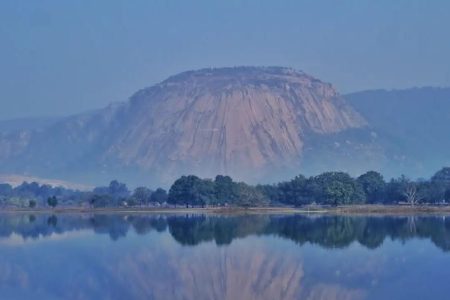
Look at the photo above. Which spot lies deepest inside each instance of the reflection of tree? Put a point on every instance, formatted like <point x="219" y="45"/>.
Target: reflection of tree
<point x="373" y="233"/>
<point x="145" y="224"/>
<point x="329" y="232"/>
<point x="114" y="225"/>
<point x="189" y="230"/>
<point x="52" y="221"/>
<point x="325" y="231"/>
<point x="412" y="224"/>
<point x="192" y="230"/>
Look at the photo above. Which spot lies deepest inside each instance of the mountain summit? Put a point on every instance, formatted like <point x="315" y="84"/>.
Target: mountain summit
<point x="248" y="122"/>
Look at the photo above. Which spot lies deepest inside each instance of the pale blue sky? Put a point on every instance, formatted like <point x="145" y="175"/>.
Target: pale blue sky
<point x="61" y="57"/>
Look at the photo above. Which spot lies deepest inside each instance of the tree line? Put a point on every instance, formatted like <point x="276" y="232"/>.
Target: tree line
<point x="329" y="188"/>
<point x="339" y="188"/>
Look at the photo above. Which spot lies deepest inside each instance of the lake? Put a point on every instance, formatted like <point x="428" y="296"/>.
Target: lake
<point x="150" y="256"/>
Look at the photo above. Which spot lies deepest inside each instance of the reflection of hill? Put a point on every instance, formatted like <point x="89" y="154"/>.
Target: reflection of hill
<point x="241" y="272"/>
<point x="330" y="292"/>
<point x="327" y="232"/>
<point x="236" y="272"/>
<point x="252" y="270"/>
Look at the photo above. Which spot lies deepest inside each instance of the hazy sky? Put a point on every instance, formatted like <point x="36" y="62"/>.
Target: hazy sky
<point x="61" y="57"/>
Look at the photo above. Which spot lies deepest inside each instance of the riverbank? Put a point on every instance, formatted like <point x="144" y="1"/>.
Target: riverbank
<point x="345" y="209"/>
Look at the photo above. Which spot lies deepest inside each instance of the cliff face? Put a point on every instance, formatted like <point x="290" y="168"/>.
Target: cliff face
<point x="229" y="120"/>
<point x="239" y="121"/>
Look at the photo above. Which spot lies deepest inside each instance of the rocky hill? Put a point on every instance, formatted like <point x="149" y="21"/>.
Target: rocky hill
<point x="254" y="123"/>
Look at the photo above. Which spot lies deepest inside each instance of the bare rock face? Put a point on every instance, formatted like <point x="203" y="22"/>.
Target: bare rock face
<point x="246" y="122"/>
<point x="229" y="120"/>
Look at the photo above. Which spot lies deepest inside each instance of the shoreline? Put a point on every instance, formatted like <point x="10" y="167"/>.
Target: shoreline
<point x="306" y="210"/>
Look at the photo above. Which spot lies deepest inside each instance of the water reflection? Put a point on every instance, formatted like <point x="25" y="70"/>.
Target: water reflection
<point x="325" y="231"/>
<point x="117" y="256"/>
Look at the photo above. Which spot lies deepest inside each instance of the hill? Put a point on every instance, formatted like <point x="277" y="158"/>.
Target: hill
<point x="253" y="123"/>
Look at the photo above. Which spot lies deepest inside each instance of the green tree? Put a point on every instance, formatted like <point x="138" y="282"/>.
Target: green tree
<point x="442" y="176"/>
<point x="225" y="190"/>
<point x="142" y="195"/>
<point x="430" y="192"/>
<point x="118" y="189"/>
<point x="5" y="189"/>
<point x="249" y="196"/>
<point x="272" y="192"/>
<point x="130" y="202"/>
<point x="52" y="201"/>
<point x="32" y="204"/>
<point x="102" y="201"/>
<point x="393" y="192"/>
<point x="447" y="195"/>
<point x="406" y="190"/>
<point x="373" y="185"/>
<point x="159" y="196"/>
<point x="191" y="190"/>
<point x="438" y="185"/>
<point x="294" y="192"/>
<point x="338" y="188"/>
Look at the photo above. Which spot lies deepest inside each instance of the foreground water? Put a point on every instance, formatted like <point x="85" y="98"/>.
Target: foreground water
<point x="223" y="257"/>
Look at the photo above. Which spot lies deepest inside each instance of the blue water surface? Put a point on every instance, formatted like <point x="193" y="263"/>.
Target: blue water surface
<point x="151" y="256"/>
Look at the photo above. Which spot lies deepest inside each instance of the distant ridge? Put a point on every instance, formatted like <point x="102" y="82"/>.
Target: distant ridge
<point x="414" y="124"/>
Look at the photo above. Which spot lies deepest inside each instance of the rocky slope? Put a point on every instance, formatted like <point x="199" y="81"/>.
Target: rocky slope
<point x="252" y="123"/>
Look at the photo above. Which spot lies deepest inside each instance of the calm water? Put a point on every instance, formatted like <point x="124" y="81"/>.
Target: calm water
<point x="205" y="257"/>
